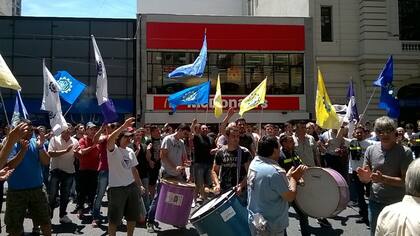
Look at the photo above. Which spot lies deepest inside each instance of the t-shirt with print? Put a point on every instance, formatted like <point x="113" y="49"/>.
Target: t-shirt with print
<point x="176" y="151"/>
<point x="393" y="163"/>
<point x="120" y="162"/>
<point x="155" y="151"/>
<point x="63" y="162"/>
<point x="227" y="160"/>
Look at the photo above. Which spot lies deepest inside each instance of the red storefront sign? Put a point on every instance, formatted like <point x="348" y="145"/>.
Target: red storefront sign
<point x="160" y="103"/>
<point x="177" y="35"/>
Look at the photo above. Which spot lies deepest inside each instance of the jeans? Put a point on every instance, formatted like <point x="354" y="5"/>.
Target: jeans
<point x="374" y="209"/>
<point x="88" y="180"/>
<point x="146" y="195"/>
<point x="60" y="180"/>
<point x="360" y="192"/>
<point x="152" y="210"/>
<point x="100" y="192"/>
<point x="303" y="220"/>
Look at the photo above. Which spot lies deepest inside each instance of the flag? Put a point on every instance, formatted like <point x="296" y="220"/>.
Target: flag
<point x="7" y="79"/>
<point x="196" y="95"/>
<point x="51" y="102"/>
<point x="387" y="100"/>
<point x="326" y="117"/>
<point x="217" y="101"/>
<point x="351" y="113"/>
<point x="107" y="106"/>
<point x="16" y="114"/>
<point x="386" y="76"/>
<point x="24" y="111"/>
<point x="255" y="98"/>
<point x="194" y="69"/>
<point x="71" y="88"/>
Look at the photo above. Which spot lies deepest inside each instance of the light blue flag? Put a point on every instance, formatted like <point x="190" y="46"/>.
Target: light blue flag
<point x="16" y="114"/>
<point x="71" y="88"/>
<point x="196" y="95"/>
<point x="194" y="69"/>
<point x="24" y="111"/>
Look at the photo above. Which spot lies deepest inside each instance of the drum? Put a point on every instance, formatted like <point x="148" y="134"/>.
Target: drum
<point x="324" y="193"/>
<point x="223" y="215"/>
<point x="174" y="203"/>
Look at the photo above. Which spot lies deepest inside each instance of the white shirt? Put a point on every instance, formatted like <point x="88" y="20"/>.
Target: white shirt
<point x="333" y="142"/>
<point x="120" y="162"/>
<point x="64" y="162"/>
<point x="400" y="219"/>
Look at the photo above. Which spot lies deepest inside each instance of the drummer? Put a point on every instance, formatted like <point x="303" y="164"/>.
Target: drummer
<point x="172" y="155"/>
<point x="231" y="165"/>
<point x="270" y="189"/>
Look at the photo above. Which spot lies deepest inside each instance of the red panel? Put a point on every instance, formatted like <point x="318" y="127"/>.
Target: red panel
<point x="164" y="35"/>
<point x="273" y="103"/>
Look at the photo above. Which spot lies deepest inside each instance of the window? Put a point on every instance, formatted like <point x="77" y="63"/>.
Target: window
<point x="326" y="24"/>
<point x="239" y="73"/>
<point x="409" y="19"/>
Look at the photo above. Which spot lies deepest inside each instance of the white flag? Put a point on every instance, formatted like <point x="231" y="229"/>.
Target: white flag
<point x="51" y="102"/>
<point x="101" y="80"/>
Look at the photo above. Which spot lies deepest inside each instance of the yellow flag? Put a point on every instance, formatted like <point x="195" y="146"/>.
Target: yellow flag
<point x="7" y="80"/>
<point x="255" y="98"/>
<point x="326" y="117"/>
<point x="217" y="100"/>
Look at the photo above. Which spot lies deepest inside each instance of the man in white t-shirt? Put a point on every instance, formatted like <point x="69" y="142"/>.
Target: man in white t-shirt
<point x="62" y="150"/>
<point x="125" y="186"/>
<point x="357" y="148"/>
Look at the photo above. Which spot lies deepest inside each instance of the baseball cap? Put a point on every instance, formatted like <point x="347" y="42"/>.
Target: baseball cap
<point x="90" y="125"/>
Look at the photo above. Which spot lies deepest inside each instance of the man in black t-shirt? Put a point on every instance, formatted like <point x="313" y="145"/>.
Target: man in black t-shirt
<point x="203" y="160"/>
<point x="153" y="158"/>
<point x="231" y="164"/>
<point x="245" y="139"/>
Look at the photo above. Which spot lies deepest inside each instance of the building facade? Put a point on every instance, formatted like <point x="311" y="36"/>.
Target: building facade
<point x="65" y="44"/>
<point x="242" y="51"/>
<point x="10" y="7"/>
<point x="352" y="41"/>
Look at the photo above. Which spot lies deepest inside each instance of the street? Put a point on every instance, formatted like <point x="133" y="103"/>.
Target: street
<point x="343" y="224"/>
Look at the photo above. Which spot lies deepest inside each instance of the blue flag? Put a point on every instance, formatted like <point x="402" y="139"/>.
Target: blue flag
<point x="351" y="113"/>
<point x="71" y="88"/>
<point x="194" y="69"/>
<point x="387" y="99"/>
<point x="191" y="96"/>
<point x="387" y="74"/>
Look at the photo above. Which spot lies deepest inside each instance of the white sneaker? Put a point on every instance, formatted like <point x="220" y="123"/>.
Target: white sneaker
<point x="65" y="220"/>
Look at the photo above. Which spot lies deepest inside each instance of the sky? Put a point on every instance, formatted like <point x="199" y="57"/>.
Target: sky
<point x="80" y="8"/>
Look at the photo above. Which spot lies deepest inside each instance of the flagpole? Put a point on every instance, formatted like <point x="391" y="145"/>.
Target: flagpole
<point x="261" y="115"/>
<point x="4" y="108"/>
<point x="207" y="112"/>
<point x="68" y="110"/>
<point x="370" y="99"/>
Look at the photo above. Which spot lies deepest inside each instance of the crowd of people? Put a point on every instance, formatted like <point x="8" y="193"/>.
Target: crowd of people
<point x="87" y="161"/>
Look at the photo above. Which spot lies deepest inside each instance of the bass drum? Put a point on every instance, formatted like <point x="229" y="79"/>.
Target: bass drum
<point x="324" y="193"/>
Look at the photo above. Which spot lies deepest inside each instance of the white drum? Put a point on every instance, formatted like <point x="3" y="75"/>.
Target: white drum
<point x="324" y="193"/>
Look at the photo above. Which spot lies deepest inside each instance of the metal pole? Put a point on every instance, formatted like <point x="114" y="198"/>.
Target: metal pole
<point x="4" y="109"/>
<point x="364" y="111"/>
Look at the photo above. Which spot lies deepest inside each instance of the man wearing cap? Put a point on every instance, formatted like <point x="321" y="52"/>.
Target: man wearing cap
<point x="88" y="169"/>
<point x="62" y="150"/>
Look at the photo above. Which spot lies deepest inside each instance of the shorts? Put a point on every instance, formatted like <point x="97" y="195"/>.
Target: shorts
<point x="19" y="201"/>
<point x="201" y="172"/>
<point x="125" y="202"/>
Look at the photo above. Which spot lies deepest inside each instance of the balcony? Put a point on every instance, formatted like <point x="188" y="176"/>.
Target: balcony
<point x="410" y="46"/>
